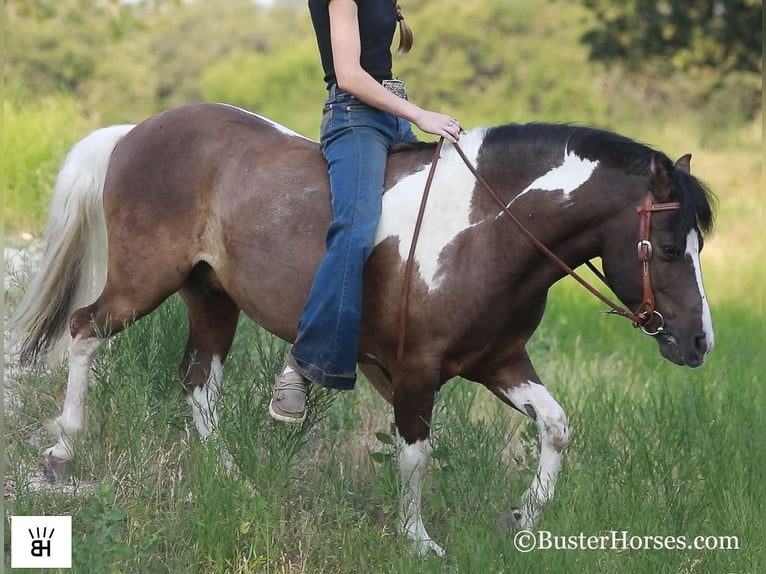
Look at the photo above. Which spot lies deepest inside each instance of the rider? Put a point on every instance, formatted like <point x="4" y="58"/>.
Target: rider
<point x="365" y="114"/>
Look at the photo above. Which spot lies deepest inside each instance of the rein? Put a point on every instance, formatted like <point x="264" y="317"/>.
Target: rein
<point x="640" y="318"/>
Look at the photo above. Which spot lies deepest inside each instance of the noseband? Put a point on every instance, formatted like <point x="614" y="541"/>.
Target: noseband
<point x="643" y="315"/>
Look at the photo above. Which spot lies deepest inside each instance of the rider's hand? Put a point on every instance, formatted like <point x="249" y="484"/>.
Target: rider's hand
<point x="439" y="125"/>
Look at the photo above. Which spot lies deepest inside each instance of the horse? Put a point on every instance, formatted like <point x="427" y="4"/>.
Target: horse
<point x="230" y="209"/>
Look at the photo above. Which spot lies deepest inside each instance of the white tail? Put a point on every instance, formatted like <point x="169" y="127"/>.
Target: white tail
<point x="72" y="270"/>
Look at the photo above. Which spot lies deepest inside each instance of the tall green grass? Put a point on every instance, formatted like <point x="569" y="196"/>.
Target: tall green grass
<point x="655" y="450"/>
<point x="36" y="137"/>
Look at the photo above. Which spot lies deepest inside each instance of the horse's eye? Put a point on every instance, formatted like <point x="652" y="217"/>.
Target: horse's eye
<point x="671" y="251"/>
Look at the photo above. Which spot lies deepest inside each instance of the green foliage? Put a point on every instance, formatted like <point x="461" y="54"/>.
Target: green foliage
<point x="182" y="42"/>
<point x="56" y="44"/>
<point x="280" y="85"/>
<point x="490" y="61"/>
<point x="36" y="136"/>
<point x="493" y="62"/>
<point x="678" y="34"/>
<point x="101" y="546"/>
<point x="716" y="44"/>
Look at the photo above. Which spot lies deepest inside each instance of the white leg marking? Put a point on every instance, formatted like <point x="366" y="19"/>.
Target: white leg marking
<point x="204" y="400"/>
<point x="71" y="422"/>
<point x="573" y="172"/>
<point x="447" y="213"/>
<point x="693" y="252"/>
<point x="554" y="436"/>
<point x="413" y="465"/>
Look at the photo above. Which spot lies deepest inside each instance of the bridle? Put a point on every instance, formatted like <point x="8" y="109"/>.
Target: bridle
<point x="640" y="318"/>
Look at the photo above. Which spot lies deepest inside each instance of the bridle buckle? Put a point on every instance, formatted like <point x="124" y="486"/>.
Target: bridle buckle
<point x="644" y="249"/>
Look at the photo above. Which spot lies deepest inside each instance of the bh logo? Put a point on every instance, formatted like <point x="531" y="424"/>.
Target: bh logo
<point x="41" y="541"/>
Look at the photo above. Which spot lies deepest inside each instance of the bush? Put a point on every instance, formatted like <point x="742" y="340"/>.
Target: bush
<point x="36" y="138"/>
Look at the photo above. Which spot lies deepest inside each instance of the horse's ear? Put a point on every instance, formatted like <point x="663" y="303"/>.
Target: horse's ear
<point x="660" y="184"/>
<point x="683" y="163"/>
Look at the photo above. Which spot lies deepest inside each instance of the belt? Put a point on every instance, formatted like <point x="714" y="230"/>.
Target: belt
<point x="396" y="87"/>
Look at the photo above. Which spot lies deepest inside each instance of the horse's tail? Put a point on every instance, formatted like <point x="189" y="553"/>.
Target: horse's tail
<point x="72" y="270"/>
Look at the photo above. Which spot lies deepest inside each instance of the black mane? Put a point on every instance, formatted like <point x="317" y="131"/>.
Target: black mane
<point x="539" y="141"/>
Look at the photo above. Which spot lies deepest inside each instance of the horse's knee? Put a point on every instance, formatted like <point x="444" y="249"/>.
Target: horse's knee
<point x="556" y="427"/>
<point x="534" y="399"/>
<point x="551" y="421"/>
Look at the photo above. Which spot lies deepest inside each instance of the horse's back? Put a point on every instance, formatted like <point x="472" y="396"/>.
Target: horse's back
<point x="194" y="149"/>
<point x="200" y="165"/>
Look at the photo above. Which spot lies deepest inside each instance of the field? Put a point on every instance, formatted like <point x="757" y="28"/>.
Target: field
<point x="656" y="450"/>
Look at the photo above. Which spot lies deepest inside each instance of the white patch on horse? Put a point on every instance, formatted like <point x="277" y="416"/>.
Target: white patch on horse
<point x="554" y="435"/>
<point x="413" y="464"/>
<point x="693" y="252"/>
<point x="573" y="172"/>
<point x="203" y="400"/>
<point x="272" y="123"/>
<point x="447" y="212"/>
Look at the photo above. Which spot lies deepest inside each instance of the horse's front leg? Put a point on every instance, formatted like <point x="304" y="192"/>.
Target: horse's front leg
<point x="413" y="403"/>
<point x="520" y="387"/>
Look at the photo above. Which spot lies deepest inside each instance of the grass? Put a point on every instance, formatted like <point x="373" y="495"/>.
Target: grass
<point x="655" y="450"/>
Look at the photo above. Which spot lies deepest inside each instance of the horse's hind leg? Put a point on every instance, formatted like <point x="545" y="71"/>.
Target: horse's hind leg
<point x="70" y="423"/>
<point x="212" y="323"/>
<point x="521" y="388"/>
<point x="125" y="298"/>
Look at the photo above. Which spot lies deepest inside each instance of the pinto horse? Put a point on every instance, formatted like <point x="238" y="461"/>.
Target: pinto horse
<point x="230" y="210"/>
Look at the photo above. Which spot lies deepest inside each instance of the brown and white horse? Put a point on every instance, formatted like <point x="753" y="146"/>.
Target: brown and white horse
<point x="231" y="209"/>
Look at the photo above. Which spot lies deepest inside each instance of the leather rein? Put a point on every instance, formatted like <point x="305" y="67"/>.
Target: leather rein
<point x="646" y="310"/>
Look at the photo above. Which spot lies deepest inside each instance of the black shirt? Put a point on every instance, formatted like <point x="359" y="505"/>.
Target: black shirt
<point x="377" y="23"/>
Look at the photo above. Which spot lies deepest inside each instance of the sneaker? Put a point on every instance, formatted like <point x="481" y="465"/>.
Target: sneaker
<point x="288" y="403"/>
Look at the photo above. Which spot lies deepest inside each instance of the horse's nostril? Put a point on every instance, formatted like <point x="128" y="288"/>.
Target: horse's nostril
<point x="700" y="343"/>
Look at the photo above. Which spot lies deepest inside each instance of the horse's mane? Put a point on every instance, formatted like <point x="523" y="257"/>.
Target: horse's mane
<point x="538" y="141"/>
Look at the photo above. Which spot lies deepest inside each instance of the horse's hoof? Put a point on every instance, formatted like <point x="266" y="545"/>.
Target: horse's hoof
<point x="512" y="519"/>
<point x="56" y="469"/>
<point x="425" y="547"/>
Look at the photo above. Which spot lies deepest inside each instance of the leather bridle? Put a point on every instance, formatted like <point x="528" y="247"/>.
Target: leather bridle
<point x="640" y="318"/>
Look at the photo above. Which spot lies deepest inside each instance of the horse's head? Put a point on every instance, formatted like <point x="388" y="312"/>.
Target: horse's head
<point x="684" y="330"/>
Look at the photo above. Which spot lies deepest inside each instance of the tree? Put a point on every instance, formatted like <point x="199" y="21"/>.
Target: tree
<point x="56" y="44"/>
<point x="715" y="45"/>
<point x="678" y="35"/>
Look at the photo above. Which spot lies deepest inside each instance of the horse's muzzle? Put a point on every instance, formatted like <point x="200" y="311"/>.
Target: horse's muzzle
<point x="691" y="355"/>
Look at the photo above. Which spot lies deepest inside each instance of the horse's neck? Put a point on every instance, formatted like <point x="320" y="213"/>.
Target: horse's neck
<point x="573" y="220"/>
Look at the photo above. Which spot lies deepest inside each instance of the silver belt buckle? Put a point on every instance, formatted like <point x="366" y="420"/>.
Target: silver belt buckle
<point x="396" y="87"/>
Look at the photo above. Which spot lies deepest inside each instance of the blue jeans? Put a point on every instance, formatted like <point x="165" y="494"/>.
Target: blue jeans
<point x="355" y="139"/>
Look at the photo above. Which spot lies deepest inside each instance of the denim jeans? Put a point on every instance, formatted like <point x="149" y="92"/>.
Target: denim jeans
<point x="355" y="139"/>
